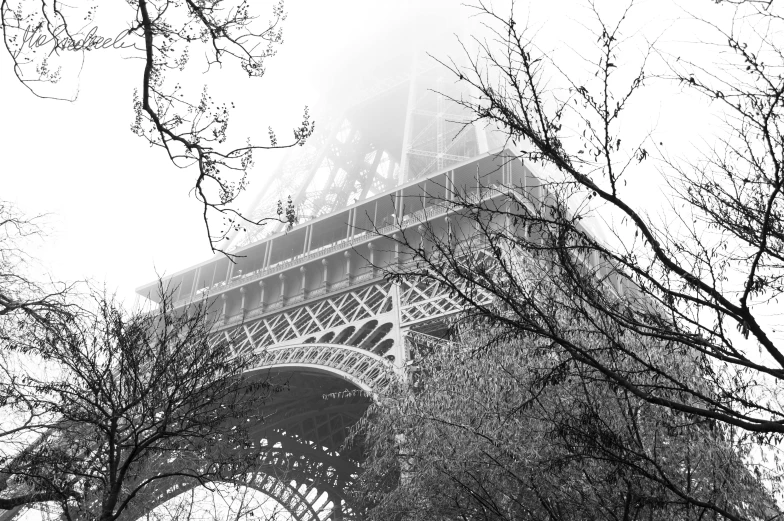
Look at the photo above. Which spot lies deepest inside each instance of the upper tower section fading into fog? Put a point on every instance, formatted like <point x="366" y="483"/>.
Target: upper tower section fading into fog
<point x="387" y="116"/>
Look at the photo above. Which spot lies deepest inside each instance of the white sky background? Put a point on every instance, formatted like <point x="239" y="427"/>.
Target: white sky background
<point x="120" y="210"/>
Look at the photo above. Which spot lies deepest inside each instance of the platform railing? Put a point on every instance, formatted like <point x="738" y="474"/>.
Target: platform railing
<point x="407" y="221"/>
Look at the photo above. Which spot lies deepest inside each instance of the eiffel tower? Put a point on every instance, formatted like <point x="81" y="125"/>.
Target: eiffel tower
<point x="311" y="298"/>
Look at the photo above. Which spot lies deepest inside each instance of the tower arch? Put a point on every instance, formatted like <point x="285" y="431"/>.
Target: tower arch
<point x="312" y="301"/>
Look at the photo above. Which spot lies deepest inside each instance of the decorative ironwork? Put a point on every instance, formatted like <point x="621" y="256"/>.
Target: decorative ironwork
<point x="424" y="300"/>
<point x="325" y="317"/>
<point x="291" y="324"/>
<point x="368" y="370"/>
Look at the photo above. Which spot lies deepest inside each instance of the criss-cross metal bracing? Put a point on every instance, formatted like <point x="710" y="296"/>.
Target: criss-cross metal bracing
<point x="330" y="313"/>
<point x="310" y="298"/>
<point x="320" y="316"/>
<point x="427" y="300"/>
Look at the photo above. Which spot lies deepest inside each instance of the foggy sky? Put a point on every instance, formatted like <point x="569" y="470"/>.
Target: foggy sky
<point x="121" y="213"/>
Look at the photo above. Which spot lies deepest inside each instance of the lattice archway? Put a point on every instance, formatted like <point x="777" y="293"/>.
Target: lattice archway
<point x="367" y="370"/>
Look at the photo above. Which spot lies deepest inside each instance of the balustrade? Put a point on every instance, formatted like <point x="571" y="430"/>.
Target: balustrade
<point x="406" y="221"/>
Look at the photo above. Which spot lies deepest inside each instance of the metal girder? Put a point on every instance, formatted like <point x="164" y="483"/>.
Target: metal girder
<point x="313" y="317"/>
<point x="437" y="155"/>
<point x="304" y="450"/>
<point x="367" y="370"/>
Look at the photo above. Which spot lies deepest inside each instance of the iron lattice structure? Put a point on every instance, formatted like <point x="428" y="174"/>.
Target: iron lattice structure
<point x="400" y="127"/>
<point x="311" y="298"/>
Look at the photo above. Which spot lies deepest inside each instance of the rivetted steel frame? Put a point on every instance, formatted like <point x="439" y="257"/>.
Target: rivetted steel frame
<point x="290" y="470"/>
<point x="284" y="309"/>
<point x="285" y="328"/>
<point x="324" y="314"/>
<point x="437" y="133"/>
<point x="304" y="436"/>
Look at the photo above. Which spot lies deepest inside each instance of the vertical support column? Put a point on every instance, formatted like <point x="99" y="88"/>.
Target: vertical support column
<point x="325" y="264"/>
<point x="303" y="273"/>
<point x="282" y="278"/>
<point x="475" y="210"/>
<point x="347" y="255"/>
<point x="440" y="148"/>
<point x="267" y="254"/>
<point x="349" y="224"/>
<point x="224" y="298"/>
<point x="371" y="258"/>
<point x="261" y="296"/>
<point x="408" y="129"/>
<point x="306" y="245"/>
<point x="399" y="350"/>
<point x="242" y="302"/>
<point x="508" y="207"/>
<point x="195" y="287"/>
<point x="214" y="274"/>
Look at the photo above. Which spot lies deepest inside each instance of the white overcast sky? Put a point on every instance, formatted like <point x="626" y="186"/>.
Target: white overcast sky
<point x="119" y="209"/>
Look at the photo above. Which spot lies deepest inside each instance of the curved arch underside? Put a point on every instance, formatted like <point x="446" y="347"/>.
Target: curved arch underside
<point x="304" y="450"/>
<point x="368" y="371"/>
